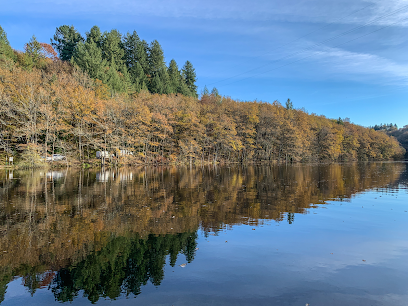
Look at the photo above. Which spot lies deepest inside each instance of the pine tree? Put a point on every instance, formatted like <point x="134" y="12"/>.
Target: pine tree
<point x="127" y="81"/>
<point x="165" y="80"/>
<point x="156" y="85"/>
<point x="143" y="57"/>
<point x="174" y="76"/>
<point x="95" y="35"/>
<point x="205" y="91"/>
<point x="114" y="81"/>
<point x="159" y="82"/>
<point x="6" y="52"/>
<point x="65" y="40"/>
<point x="189" y="77"/>
<point x="33" y="49"/>
<point x="3" y="37"/>
<point x="130" y="44"/>
<point x="88" y="57"/>
<point x="112" y="49"/>
<point x="289" y="104"/>
<point x="138" y="77"/>
<point x="184" y="90"/>
<point x="156" y="58"/>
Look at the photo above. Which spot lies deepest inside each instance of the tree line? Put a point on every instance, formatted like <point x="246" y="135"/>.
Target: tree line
<point x="401" y="135"/>
<point x="49" y="105"/>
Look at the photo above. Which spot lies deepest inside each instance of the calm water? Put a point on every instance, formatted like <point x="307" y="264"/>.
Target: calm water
<point x="287" y="235"/>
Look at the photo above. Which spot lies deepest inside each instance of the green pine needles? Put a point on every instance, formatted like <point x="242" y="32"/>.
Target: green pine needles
<point x="125" y="63"/>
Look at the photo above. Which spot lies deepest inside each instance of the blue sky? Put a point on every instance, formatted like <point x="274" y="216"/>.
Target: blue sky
<point x="343" y="58"/>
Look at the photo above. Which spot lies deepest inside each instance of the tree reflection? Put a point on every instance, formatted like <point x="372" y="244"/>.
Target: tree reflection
<point x="123" y="266"/>
<point x="112" y="236"/>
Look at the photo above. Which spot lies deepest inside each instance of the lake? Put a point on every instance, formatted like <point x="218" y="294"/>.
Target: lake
<point x="237" y="235"/>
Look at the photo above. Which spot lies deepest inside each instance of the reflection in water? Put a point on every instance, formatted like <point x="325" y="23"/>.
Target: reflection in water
<point x="109" y="232"/>
<point x="122" y="266"/>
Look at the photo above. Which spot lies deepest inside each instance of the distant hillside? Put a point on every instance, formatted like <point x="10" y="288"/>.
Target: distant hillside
<point x="402" y="137"/>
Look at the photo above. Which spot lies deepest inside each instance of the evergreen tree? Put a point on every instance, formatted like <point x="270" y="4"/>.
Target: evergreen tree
<point x="160" y="82"/>
<point x="138" y="77"/>
<point x="112" y="49"/>
<point x="95" y="35"/>
<point x="184" y="90"/>
<point x="65" y="40"/>
<point x="215" y="92"/>
<point x="289" y="104"/>
<point x="130" y="44"/>
<point x="189" y="77"/>
<point x="205" y="91"/>
<point x="33" y="49"/>
<point x="114" y="81"/>
<point x="3" y="37"/>
<point x="143" y="57"/>
<point x="156" y="58"/>
<point x="5" y="50"/>
<point x="165" y="80"/>
<point x="174" y="77"/>
<point x="127" y="81"/>
<point x="89" y="58"/>
<point x="156" y="85"/>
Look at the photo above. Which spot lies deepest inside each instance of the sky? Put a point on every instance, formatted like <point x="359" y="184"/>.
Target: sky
<point x="343" y="58"/>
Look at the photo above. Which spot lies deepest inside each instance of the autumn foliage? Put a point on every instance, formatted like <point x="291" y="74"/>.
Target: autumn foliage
<point x="61" y="110"/>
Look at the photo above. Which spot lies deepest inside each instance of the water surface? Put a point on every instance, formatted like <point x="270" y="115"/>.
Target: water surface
<point x="263" y="235"/>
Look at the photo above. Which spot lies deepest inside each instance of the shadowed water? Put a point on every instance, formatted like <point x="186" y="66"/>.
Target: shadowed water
<point x="265" y="235"/>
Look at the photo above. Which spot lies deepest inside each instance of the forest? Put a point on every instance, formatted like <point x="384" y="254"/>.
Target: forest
<point x="401" y="134"/>
<point x="113" y="92"/>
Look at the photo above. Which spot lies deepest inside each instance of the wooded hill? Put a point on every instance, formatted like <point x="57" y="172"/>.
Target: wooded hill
<point x="400" y="134"/>
<point x="51" y="105"/>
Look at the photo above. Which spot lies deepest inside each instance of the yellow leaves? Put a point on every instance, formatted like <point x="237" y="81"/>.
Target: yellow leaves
<point x="82" y="101"/>
<point x="101" y="90"/>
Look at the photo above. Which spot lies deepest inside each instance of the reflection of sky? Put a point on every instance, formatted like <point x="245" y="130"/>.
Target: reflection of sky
<point x="289" y="264"/>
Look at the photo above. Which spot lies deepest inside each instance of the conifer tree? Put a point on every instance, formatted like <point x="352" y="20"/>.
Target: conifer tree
<point x="65" y="40"/>
<point x="112" y="49"/>
<point x="143" y="57"/>
<point x="5" y="50"/>
<point x="95" y="35"/>
<point x="156" y="85"/>
<point x="33" y="49"/>
<point x="130" y="44"/>
<point x="205" y="91"/>
<point x="114" y="81"/>
<point x="89" y="58"/>
<point x="174" y="76"/>
<point x="289" y="104"/>
<point x="189" y="76"/>
<point x="156" y="57"/>
<point x="3" y="37"/>
<point x="160" y="82"/>
<point x="184" y="90"/>
<point x="165" y="80"/>
<point x="127" y="80"/>
<point x="138" y="77"/>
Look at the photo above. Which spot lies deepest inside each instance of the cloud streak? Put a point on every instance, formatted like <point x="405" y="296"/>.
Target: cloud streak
<point x="315" y="11"/>
<point x="361" y="66"/>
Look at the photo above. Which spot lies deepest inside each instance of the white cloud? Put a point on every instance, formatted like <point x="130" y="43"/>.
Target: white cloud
<point x="362" y="65"/>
